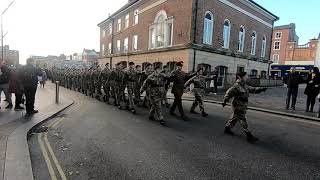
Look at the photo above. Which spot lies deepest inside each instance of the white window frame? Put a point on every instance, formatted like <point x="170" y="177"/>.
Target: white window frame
<point x="127" y="21"/>
<point x="208" y="28"/>
<point x="126" y="44"/>
<point x="253" y="43"/>
<point x="274" y="59"/>
<point x="167" y="34"/>
<point x="103" y="33"/>
<point x="242" y="37"/>
<point x="136" y="17"/>
<point x="135" y="43"/>
<point x="109" y="48"/>
<point x="110" y="28"/>
<point x="263" y="46"/>
<point x="276" y="35"/>
<point x="118" y="46"/>
<point x="274" y="45"/>
<point x="119" y="25"/>
<point x="226" y="34"/>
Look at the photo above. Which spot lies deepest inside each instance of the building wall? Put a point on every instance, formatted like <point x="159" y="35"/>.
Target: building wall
<point x="283" y="44"/>
<point x="317" y="61"/>
<point x="222" y="12"/>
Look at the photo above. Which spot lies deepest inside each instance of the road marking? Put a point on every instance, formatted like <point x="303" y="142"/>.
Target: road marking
<point x="46" y="158"/>
<point x="55" y="160"/>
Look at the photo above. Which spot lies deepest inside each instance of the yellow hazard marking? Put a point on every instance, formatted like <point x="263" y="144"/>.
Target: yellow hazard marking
<point x="46" y="158"/>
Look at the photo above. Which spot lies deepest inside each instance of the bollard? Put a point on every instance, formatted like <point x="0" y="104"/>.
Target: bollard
<point x="57" y="92"/>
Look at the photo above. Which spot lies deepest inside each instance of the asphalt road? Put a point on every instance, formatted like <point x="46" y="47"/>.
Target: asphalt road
<point x="97" y="141"/>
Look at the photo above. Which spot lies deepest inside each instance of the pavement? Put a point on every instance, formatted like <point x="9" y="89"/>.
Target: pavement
<point x="15" y="161"/>
<point x="93" y="140"/>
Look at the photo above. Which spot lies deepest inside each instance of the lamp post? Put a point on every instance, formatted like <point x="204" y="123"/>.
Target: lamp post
<point x="2" y="36"/>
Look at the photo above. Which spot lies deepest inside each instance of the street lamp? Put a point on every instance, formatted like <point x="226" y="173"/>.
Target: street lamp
<point x="2" y="36"/>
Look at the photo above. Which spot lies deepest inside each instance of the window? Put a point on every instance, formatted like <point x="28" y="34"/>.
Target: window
<point x="264" y="74"/>
<point x="103" y="33"/>
<point x="125" y="45"/>
<point x="277" y="45"/>
<point x="135" y="43"/>
<point x="136" y="17"/>
<point x="275" y="59"/>
<point x="118" y="46"/>
<point x="242" y="32"/>
<point x="278" y="35"/>
<point x="253" y="43"/>
<point x="208" y="28"/>
<point x="240" y="69"/>
<point x="126" y="25"/>
<point x="109" y="48"/>
<point x="263" y="46"/>
<point x="119" y="25"/>
<point x="102" y="49"/>
<point x="110" y="28"/>
<point x="254" y="73"/>
<point x="160" y="32"/>
<point x="226" y="34"/>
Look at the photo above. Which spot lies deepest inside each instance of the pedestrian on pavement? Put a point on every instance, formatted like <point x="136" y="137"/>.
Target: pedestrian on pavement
<point x="43" y="78"/>
<point x="312" y="88"/>
<point x="16" y="87"/>
<point x="214" y="81"/>
<point x="240" y="94"/>
<point x="292" y="80"/>
<point x="4" y="83"/>
<point x="29" y="76"/>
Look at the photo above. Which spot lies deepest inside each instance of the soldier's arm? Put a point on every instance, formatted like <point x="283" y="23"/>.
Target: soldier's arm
<point x="189" y="81"/>
<point x="145" y="85"/>
<point x="231" y="92"/>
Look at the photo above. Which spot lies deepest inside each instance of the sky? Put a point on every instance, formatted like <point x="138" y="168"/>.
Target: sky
<point x="54" y="27"/>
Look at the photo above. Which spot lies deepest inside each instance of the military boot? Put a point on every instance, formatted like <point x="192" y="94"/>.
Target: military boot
<point x="251" y="138"/>
<point x="163" y="123"/>
<point x="204" y="114"/>
<point x="228" y="131"/>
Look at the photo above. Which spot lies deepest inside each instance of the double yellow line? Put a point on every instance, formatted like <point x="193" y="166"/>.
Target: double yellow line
<point x="47" y="152"/>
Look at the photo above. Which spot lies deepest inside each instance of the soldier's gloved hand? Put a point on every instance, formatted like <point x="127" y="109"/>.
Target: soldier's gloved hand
<point x="224" y="104"/>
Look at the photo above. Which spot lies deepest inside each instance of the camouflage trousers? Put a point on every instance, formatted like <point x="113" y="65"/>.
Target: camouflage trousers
<point x="239" y="114"/>
<point x="155" y="110"/>
<point x="106" y="89"/>
<point x="198" y="99"/>
<point x="131" y="91"/>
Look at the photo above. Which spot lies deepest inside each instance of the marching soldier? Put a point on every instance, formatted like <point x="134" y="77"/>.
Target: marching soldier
<point x="130" y="80"/>
<point x="166" y="71"/>
<point x="179" y="78"/>
<point x="104" y="77"/>
<point x="138" y="84"/>
<point x="148" y="71"/>
<point x="155" y="83"/>
<point x="199" y="82"/>
<point x="240" y="92"/>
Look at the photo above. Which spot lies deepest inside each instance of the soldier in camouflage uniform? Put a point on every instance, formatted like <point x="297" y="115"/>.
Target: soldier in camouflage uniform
<point x="138" y="85"/>
<point x="167" y="72"/>
<point x="199" y="82"/>
<point x="104" y="78"/>
<point x="130" y="79"/>
<point x="240" y="92"/>
<point x="155" y="84"/>
<point x="148" y="71"/>
<point x="97" y="83"/>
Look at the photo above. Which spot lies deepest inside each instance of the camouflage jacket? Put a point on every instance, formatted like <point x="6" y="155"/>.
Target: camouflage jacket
<point x="155" y="84"/>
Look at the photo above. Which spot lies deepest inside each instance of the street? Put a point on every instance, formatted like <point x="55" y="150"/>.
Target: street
<point x="93" y="140"/>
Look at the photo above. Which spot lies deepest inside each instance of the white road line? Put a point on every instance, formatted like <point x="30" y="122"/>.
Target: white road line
<point x="55" y="160"/>
<point x="46" y="158"/>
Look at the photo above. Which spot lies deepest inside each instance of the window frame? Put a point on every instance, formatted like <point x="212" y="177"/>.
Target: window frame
<point x="208" y="34"/>
<point x="103" y="49"/>
<point x="241" y="42"/>
<point x="127" y="21"/>
<point x="135" y="16"/>
<point x="280" y="35"/>
<point x="273" y="58"/>
<point x="135" y="43"/>
<point x="126" y="44"/>
<point x="263" y="46"/>
<point x="274" y="45"/>
<point x="118" y="45"/>
<point x="103" y="33"/>
<point x="253" y="43"/>
<point x="109" y="48"/>
<point x="119" y="25"/>
<point x="226" y="44"/>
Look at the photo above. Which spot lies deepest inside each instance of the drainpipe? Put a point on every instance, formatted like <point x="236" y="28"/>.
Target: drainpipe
<point x="195" y="34"/>
<point x="112" y="37"/>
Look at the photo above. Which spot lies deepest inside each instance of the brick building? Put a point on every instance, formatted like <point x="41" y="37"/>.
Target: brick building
<point x="287" y="51"/>
<point x="233" y="35"/>
<point x="11" y="57"/>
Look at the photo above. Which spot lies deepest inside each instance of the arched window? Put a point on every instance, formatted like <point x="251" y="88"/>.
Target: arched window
<point x="242" y="33"/>
<point x="208" y="28"/>
<point x="263" y="46"/>
<point x="160" y="32"/>
<point x="226" y="34"/>
<point x="253" y="43"/>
